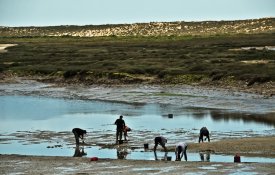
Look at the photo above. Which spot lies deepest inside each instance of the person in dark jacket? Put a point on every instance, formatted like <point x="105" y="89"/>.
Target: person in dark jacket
<point x="78" y="133"/>
<point x="120" y="125"/>
<point x="204" y="132"/>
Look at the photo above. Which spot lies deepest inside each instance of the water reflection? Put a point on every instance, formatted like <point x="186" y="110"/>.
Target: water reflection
<point x="79" y="151"/>
<point x="218" y="115"/>
<point x="122" y="153"/>
<point x="162" y="158"/>
<point x="205" y="156"/>
<point x="18" y="112"/>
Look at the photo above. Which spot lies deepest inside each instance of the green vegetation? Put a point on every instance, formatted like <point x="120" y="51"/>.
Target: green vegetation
<point x="158" y="59"/>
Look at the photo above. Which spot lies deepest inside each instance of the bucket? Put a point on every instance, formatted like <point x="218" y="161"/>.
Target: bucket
<point x="169" y="158"/>
<point x="146" y="146"/>
<point x="120" y="141"/>
<point x="237" y="158"/>
<point x="94" y="159"/>
<point x="170" y="115"/>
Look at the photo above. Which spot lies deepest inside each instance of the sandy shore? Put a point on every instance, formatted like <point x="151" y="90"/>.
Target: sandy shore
<point x="4" y="46"/>
<point x="259" y="146"/>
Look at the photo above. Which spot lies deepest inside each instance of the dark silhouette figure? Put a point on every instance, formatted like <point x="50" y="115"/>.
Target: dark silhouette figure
<point x="204" y="132"/>
<point x="180" y="151"/>
<point x="120" y="125"/>
<point x="79" y="133"/>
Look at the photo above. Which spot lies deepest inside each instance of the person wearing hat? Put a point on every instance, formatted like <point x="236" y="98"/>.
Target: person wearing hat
<point x="120" y="125"/>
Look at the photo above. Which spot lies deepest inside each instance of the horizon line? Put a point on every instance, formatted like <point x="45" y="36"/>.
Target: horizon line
<point x="105" y="24"/>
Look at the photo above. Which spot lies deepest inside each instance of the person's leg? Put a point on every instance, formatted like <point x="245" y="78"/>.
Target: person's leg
<point x="208" y="137"/>
<point x="201" y="137"/>
<point x="125" y="135"/>
<point x="117" y="133"/>
<point x="185" y="155"/>
<point x="179" y="148"/>
<point x="163" y="146"/>
<point x="120" y="135"/>
<point x="76" y="138"/>
<point x="156" y="143"/>
<point x="178" y="155"/>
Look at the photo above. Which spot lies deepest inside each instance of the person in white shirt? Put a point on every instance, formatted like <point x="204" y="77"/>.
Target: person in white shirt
<point x="180" y="151"/>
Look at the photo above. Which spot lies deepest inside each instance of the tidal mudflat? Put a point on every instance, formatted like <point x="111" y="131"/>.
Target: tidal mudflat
<point x="37" y="118"/>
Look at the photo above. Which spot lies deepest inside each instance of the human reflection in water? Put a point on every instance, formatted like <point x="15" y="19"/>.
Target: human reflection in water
<point x="121" y="153"/>
<point x="205" y="156"/>
<point x="164" y="157"/>
<point x="79" y="152"/>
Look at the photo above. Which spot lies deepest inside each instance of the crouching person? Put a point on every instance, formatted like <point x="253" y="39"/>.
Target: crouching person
<point x="125" y="131"/>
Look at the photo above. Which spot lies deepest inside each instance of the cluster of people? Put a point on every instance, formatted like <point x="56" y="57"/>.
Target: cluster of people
<point x="181" y="147"/>
<point x="122" y="129"/>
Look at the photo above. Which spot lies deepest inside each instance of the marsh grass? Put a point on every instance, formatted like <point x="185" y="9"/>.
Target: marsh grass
<point x="170" y="59"/>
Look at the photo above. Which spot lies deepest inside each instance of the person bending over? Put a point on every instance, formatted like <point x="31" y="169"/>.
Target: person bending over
<point x="125" y="131"/>
<point x="204" y="132"/>
<point x="79" y="133"/>
<point x="180" y="151"/>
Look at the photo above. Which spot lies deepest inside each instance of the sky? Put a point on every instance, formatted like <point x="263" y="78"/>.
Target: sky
<point x="95" y="12"/>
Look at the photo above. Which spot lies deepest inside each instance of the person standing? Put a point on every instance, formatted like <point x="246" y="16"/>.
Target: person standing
<point x="120" y="125"/>
<point x="204" y="132"/>
<point x="180" y="151"/>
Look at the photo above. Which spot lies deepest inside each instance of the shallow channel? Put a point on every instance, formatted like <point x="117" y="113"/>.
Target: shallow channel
<point x="33" y="125"/>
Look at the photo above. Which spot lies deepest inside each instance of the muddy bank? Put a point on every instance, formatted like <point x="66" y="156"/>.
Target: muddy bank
<point x="260" y="146"/>
<point x="32" y="165"/>
<point x="181" y="95"/>
<point x="214" y="97"/>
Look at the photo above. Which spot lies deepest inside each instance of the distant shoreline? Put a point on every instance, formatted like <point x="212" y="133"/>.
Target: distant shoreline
<point x="177" y="28"/>
<point x="145" y="22"/>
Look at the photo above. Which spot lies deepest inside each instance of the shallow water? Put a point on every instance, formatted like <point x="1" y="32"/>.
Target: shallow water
<point x="34" y="125"/>
<point x="119" y="153"/>
<point x="40" y="113"/>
